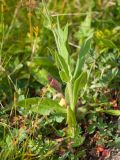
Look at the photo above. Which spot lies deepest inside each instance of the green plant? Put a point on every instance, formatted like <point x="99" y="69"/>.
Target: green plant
<point x="74" y="78"/>
<point x="34" y="123"/>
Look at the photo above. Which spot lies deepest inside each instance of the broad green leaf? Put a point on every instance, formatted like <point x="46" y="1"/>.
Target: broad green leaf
<point x="51" y="104"/>
<point x="29" y="101"/>
<point x="62" y="63"/>
<point x="112" y="112"/>
<point x="63" y="67"/>
<point x="42" y="106"/>
<point x="81" y="57"/>
<point x="78" y="84"/>
<point x="64" y="76"/>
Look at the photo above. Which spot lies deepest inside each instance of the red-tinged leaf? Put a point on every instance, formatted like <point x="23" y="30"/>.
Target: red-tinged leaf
<point x="106" y="153"/>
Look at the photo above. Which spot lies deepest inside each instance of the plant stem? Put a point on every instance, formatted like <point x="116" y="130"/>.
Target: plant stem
<point x="71" y="117"/>
<point x="69" y="84"/>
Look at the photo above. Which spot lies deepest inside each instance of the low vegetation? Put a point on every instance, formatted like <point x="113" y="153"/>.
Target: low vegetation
<point x="59" y="79"/>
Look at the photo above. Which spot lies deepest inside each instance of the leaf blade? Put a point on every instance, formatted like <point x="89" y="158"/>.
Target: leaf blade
<point x="78" y="84"/>
<point x="81" y="57"/>
<point x="43" y="106"/>
<point x="112" y="112"/>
